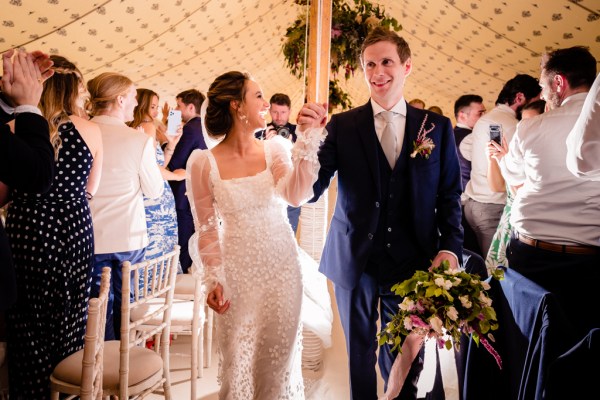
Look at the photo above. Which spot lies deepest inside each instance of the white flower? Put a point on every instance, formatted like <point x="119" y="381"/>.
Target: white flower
<point x="464" y="300"/>
<point x="407" y="304"/>
<point x="485" y="285"/>
<point x="407" y="323"/>
<point x="436" y="324"/>
<point x="443" y="283"/>
<point x="456" y="281"/>
<point x="452" y="313"/>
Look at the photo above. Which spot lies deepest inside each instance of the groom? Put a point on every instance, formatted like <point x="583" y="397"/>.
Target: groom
<point x="397" y="208"/>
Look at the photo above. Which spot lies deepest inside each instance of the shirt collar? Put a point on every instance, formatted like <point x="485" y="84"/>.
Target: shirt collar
<point x="507" y="109"/>
<point x="460" y="125"/>
<point x="399" y="107"/>
<point x="108" y="120"/>
<point x="574" y="97"/>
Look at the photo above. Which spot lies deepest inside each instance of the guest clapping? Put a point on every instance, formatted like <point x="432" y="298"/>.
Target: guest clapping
<point x="52" y="239"/>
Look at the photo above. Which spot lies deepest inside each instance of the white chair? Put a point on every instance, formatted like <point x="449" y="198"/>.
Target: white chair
<point x="188" y="318"/>
<point x="80" y="374"/>
<point x="140" y="370"/>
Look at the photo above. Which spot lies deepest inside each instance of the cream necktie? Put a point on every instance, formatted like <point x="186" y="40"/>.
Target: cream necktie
<point x="388" y="138"/>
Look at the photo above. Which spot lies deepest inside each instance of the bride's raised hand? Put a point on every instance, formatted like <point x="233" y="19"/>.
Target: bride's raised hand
<point x="215" y="300"/>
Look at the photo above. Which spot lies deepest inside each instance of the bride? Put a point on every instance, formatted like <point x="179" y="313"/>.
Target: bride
<point x="245" y="246"/>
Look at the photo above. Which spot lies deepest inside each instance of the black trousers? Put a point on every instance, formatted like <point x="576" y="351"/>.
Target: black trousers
<point x="571" y="277"/>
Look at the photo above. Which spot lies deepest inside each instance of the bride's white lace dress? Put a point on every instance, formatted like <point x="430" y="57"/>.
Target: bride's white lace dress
<point x="244" y="241"/>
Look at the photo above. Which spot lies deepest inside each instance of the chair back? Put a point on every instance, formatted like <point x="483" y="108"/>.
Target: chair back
<point x="93" y="348"/>
<point x="151" y="279"/>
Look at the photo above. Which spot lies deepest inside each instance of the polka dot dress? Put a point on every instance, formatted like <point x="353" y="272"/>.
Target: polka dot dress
<point x="52" y="241"/>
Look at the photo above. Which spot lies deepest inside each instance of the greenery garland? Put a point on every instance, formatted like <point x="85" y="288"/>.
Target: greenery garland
<point x="350" y="25"/>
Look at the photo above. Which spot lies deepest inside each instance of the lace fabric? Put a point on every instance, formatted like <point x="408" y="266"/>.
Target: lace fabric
<point x="243" y="240"/>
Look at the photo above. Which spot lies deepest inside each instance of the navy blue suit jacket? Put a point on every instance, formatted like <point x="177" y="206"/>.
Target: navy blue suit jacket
<point x="350" y="149"/>
<point x="191" y="139"/>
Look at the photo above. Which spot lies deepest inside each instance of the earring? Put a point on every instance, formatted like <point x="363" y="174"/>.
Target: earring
<point x="243" y="118"/>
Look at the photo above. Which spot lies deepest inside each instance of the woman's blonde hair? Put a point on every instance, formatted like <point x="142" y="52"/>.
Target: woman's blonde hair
<point x="104" y="90"/>
<point x="59" y="97"/>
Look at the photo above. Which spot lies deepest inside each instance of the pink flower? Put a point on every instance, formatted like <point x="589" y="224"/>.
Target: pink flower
<point x="423" y="145"/>
<point x="418" y="322"/>
<point x="336" y="32"/>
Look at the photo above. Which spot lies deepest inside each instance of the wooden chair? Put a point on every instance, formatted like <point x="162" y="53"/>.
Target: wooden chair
<point x="141" y="370"/>
<point x="188" y="318"/>
<point x="80" y="374"/>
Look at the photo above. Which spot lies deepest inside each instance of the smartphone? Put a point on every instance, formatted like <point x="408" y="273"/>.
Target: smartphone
<point x="496" y="133"/>
<point x="173" y="121"/>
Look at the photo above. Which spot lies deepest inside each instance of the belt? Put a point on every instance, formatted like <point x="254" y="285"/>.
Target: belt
<point x="557" y="248"/>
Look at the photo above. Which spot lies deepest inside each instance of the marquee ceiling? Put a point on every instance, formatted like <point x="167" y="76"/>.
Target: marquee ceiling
<point x="459" y="46"/>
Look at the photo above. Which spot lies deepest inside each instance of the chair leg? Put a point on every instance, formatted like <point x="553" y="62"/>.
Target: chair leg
<point x="194" y="354"/>
<point x="165" y="354"/>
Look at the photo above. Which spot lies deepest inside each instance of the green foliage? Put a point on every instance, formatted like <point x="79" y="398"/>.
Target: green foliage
<point x="351" y="22"/>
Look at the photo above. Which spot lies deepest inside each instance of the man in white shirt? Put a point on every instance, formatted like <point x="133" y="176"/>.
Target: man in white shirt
<point x="583" y="143"/>
<point x="555" y="215"/>
<point x="483" y="207"/>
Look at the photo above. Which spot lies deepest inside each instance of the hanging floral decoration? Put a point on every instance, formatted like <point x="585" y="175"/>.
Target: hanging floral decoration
<point x="351" y="22"/>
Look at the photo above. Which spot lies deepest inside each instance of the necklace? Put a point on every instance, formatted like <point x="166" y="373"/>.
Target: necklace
<point x="146" y="120"/>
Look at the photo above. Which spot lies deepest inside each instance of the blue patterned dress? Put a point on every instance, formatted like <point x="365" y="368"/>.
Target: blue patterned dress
<point x="161" y="218"/>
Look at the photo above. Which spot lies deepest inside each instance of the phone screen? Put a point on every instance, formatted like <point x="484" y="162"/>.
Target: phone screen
<point x="496" y="133"/>
<point x="173" y="121"/>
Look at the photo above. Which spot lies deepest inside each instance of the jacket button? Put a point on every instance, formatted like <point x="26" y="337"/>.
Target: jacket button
<point x="370" y="235"/>
<point x="377" y="204"/>
<point x="388" y="245"/>
<point x="389" y="229"/>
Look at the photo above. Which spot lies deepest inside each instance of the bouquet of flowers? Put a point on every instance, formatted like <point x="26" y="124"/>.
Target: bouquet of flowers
<point x="443" y="303"/>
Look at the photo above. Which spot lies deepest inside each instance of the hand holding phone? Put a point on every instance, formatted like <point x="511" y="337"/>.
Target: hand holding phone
<point x="496" y="133"/>
<point x="173" y="121"/>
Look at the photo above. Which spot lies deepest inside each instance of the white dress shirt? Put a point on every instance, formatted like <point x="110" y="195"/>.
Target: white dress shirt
<point x="553" y="205"/>
<point x="129" y="171"/>
<point x="398" y="122"/>
<point x="478" y="188"/>
<point x="583" y="143"/>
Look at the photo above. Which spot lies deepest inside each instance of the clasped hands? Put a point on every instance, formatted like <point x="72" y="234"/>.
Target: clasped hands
<point x="23" y="76"/>
<point x="312" y="115"/>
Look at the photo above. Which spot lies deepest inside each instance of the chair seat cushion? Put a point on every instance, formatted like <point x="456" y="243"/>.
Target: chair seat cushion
<point x="143" y="364"/>
<point x="181" y="312"/>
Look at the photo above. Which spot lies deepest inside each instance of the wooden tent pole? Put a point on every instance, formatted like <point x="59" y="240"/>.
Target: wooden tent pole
<point x="319" y="35"/>
<point x="314" y="216"/>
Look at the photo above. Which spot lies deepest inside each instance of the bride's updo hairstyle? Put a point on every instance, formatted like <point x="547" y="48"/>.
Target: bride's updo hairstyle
<point x="104" y="90"/>
<point x="231" y="86"/>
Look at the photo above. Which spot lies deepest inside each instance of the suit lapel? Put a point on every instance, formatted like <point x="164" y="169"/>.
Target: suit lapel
<point x="365" y="127"/>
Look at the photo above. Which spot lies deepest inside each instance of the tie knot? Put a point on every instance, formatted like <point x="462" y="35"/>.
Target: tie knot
<point x="387" y="116"/>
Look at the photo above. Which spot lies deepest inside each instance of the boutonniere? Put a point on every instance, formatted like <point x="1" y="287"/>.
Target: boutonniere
<point x="423" y="145"/>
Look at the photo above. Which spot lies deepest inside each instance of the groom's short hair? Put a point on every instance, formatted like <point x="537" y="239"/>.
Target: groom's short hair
<point x="380" y="34"/>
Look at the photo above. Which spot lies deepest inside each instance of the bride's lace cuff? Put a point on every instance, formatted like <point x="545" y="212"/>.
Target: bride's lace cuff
<point x="202" y="269"/>
<point x="307" y="144"/>
<point x="214" y="276"/>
